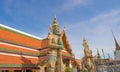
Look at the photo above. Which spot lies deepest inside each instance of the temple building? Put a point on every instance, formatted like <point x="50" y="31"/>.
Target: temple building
<point x="20" y="51"/>
<point x="108" y="64"/>
<point x="117" y="49"/>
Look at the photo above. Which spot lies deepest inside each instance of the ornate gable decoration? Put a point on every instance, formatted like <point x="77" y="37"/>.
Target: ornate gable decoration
<point x="66" y="43"/>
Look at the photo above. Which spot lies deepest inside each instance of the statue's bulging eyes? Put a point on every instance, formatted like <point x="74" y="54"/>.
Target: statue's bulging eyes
<point x="56" y="30"/>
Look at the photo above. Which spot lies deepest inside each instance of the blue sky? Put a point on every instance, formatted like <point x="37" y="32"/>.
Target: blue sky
<point x="92" y="19"/>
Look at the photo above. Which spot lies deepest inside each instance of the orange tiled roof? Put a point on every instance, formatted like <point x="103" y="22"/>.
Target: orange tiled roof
<point x="15" y="37"/>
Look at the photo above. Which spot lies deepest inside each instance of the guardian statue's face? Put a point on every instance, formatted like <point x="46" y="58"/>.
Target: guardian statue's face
<point x="56" y="30"/>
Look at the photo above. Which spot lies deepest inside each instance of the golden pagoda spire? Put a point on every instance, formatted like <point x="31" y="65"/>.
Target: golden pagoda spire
<point x="55" y="21"/>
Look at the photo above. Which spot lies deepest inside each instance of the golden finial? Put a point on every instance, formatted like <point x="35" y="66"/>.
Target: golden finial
<point x="55" y="21"/>
<point x="55" y="17"/>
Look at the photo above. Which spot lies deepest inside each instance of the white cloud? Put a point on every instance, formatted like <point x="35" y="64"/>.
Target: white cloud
<point x="97" y="31"/>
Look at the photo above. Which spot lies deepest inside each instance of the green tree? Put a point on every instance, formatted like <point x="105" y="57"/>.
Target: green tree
<point x="68" y="69"/>
<point x="85" y="70"/>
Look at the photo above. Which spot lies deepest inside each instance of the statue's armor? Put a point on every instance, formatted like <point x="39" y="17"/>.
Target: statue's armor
<point x="55" y="45"/>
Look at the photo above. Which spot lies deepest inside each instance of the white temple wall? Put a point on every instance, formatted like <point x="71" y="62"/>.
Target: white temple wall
<point x="117" y="55"/>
